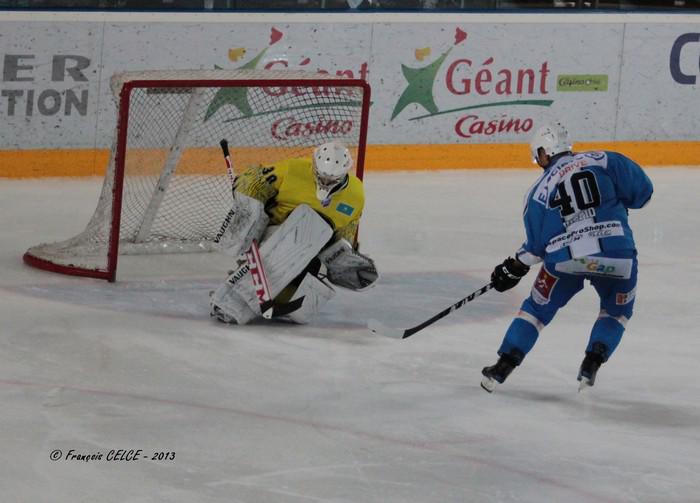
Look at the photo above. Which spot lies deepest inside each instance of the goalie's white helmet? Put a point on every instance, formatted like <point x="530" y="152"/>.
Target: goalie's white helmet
<point x="553" y="138"/>
<point x="331" y="163"/>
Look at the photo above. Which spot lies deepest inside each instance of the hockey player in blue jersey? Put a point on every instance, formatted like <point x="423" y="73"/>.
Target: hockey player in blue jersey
<point x="575" y="219"/>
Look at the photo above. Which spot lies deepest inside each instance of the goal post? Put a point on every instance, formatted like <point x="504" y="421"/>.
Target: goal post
<point x="166" y="189"/>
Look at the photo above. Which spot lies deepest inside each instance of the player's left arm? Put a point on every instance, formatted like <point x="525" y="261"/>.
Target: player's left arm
<point x="345" y="265"/>
<point x="347" y="232"/>
<point x="532" y="250"/>
<point x="633" y="186"/>
<point x="508" y="274"/>
<point x="352" y="203"/>
<point x="348" y="268"/>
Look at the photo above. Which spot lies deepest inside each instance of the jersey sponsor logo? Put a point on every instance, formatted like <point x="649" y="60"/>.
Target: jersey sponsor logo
<point x="595" y="266"/>
<point x="567" y="168"/>
<point x="345" y="209"/>
<point x="593" y="231"/>
<point x="598" y="266"/>
<point x="544" y="284"/>
<point x="625" y="298"/>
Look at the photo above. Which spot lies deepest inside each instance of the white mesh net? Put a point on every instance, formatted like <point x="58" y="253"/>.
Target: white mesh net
<point x="176" y="189"/>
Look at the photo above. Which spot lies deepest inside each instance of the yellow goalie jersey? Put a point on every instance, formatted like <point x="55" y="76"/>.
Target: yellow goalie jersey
<point x="287" y="184"/>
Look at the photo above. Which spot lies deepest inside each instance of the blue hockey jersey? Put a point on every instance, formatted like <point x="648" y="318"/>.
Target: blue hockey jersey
<point x="579" y="206"/>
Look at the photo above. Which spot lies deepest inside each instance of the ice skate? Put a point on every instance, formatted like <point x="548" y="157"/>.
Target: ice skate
<point x="590" y="365"/>
<point x="496" y="374"/>
<point x="217" y="313"/>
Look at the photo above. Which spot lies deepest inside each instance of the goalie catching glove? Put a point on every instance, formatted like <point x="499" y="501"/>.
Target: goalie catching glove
<point x="348" y="268"/>
<point x="508" y="274"/>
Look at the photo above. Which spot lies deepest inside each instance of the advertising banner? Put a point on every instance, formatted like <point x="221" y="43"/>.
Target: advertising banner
<point x="486" y="83"/>
<point x="660" y="83"/>
<point x="50" y="87"/>
<point x="456" y="84"/>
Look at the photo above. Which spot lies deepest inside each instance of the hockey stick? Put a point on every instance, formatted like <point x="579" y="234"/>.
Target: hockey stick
<point x="227" y="158"/>
<point x="398" y="333"/>
<point x="267" y="306"/>
<point x="262" y="288"/>
<point x="232" y="179"/>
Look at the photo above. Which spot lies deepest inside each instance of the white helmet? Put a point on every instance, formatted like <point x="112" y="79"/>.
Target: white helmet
<point x="331" y="163"/>
<point x="553" y="138"/>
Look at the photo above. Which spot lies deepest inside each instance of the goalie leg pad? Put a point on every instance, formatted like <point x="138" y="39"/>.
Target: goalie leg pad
<point x="348" y="268"/>
<point x="235" y="301"/>
<point x="287" y="252"/>
<point x="284" y="256"/>
<point x="315" y="294"/>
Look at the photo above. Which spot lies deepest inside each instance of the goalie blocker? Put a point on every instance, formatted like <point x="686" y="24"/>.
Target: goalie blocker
<point x="299" y="272"/>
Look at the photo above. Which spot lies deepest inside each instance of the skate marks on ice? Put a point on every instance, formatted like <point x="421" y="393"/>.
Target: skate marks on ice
<point x="398" y="299"/>
<point x="600" y="403"/>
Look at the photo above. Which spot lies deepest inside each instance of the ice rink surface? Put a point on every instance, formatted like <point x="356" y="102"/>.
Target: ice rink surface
<point x="330" y="412"/>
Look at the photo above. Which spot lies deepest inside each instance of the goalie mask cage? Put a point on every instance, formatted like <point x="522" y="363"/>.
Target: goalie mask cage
<point x="167" y="189"/>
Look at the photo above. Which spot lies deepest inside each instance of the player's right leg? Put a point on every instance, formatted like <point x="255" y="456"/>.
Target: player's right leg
<point x="617" y="297"/>
<point x="550" y="291"/>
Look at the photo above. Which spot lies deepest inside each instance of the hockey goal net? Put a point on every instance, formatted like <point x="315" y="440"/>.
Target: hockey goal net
<point x="167" y="188"/>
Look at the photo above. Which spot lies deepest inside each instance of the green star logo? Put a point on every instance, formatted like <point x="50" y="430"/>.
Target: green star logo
<point x="237" y="97"/>
<point x="234" y="96"/>
<point x="422" y="80"/>
<point x="420" y="86"/>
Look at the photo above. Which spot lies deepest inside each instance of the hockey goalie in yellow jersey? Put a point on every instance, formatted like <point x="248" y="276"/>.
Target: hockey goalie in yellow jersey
<point x="304" y="214"/>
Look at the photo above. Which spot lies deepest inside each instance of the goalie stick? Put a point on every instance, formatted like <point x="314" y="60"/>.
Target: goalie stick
<point x="378" y="327"/>
<point x="227" y="158"/>
<point x="232" y="179"/>
<point x="268" y="307"/>
<point x="262" y="289"/>
<point x="257" y="272"/>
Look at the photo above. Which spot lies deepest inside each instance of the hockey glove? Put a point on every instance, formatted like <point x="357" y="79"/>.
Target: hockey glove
<point x="348" y="268"/>
<point x="508" y="274"/>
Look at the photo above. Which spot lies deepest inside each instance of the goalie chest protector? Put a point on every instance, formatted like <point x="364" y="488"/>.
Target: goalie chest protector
<point x="295" y="185"/>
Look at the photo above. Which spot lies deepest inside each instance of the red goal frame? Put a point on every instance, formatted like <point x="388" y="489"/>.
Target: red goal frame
<point x="109" y="273"/>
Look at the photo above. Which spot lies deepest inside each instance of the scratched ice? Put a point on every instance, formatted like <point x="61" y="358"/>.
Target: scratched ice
<point x="330" y="412"/>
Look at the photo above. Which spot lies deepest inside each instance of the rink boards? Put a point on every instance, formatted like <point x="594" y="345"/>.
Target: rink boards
<point x="449" y="91"/>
